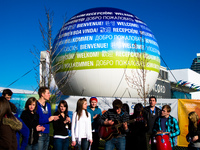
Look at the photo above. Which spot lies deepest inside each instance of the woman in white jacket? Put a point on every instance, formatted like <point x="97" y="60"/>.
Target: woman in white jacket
<point x="81" y="129"/>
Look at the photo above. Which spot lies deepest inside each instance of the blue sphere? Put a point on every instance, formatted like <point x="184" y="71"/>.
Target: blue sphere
<point x="96" y="51"/>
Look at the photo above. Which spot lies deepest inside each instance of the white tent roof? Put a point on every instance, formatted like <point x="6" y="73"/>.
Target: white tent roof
<point x="19" y="91"/>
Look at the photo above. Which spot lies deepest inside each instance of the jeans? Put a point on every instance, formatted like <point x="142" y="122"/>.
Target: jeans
<point x="118" y="142"/>
<point x="43" y="141"/>
<point x="32" y="147"/>
<point x="85" y="144"/>
<point x="95" y="143"/>
<point x="148" y="138"/>
<point x="193" y="148"/>
<point x="61" y="144"/>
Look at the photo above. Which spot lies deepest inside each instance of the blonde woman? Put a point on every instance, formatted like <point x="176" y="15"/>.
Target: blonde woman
<point x="81" y="129"/>
<point x="194" y="131"/>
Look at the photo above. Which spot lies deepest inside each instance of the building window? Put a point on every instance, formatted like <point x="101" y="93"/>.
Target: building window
<point x="163" y="75"/>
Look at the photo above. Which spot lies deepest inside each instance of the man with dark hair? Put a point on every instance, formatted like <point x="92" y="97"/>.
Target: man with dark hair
<point x="42" y="90"/>
<point x="44" y="112"/>
<point x="7" y="93"/>
<point x="167" y="123"/>
<point x="116" y="138"/>
<point x="95" y="113"/>
<point x="151" y="113"/>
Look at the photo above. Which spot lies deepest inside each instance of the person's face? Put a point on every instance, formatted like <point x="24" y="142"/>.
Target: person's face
<point x="31" y="106"/>
<point x="46" y="95"/>
<point x="84" y="105"/>
<point x="118" y="110"/>
<point x="152" y="102"/>
<point x="7" y="97"/>
<point x="93" y="104"/>
<point x="165" y="113"/>
<point x="138" y="109"/>
<point x="62" y="108"/>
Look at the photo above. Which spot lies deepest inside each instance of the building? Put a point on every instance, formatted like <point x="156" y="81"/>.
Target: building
<point x="196" y="64"/>
<point x="185" y="84"/>
<point x="177" y="84"/>
<point x="162" y="87"/>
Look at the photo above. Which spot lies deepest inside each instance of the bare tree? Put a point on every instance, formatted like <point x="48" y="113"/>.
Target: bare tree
<point x="48" y="59"/>
<point x="137" y="78"/>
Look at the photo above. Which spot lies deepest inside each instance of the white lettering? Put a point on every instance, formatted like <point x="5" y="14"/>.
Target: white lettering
<point x="125" y="54"/>
<point x="117" y="18"/>
<point x="125" y="30"/>
<point x="124" y="14"/>
<point x="159" y="88"/>
<point x="75" y="21"/>
<point x="93" y="18"/>
<point x="79" y="64"/>
<point x="88" y="24"/>
<point x="107" y="54"/>
<point x="104" y="62"/>
<point x="138" y="21"/>
<point x="87" y="55"/>
<point x="92" y="30"/>
<point x="103" y="37"/>
<point x="126" y="45"/>
<point x="127" y="24"/>
<point x="93" y="46"/>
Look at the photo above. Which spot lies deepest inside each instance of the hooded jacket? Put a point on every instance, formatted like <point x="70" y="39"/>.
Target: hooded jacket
<point x="8" y="128"/>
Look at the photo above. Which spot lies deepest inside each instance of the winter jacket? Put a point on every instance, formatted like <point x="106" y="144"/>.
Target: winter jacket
<point x="31" y="121"/>
<point x="151" y="117"/>
<point x="8" y="128"/>
<point x="137" y="134"/>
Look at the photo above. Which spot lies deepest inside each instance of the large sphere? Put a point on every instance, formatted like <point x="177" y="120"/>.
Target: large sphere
<point x="96" y="54"/>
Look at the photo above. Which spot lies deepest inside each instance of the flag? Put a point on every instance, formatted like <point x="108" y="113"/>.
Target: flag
<point x="183" y="83"/>
<point x="186" y="83"/>
<point x="191" y="86"/>
<point x="196" y="87"/>
<point x="178" y="82"/>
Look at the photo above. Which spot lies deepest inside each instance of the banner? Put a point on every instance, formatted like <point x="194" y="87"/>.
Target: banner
<point x="185" y="106"/>
<point x="105" y="103"/>
<point x="20" y="100"/>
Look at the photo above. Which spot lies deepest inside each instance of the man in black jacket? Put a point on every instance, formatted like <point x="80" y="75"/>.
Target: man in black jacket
<point x="151" y="113"/>
<point x="119" y="118"/>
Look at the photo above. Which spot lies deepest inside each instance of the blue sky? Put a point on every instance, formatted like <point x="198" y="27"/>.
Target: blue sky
<point x="174" y="23"/>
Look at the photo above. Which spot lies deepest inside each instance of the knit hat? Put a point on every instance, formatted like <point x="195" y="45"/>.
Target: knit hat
<point x="93" y="99"/>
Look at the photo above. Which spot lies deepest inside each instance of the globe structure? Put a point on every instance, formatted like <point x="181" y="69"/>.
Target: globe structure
<point x="105" y="52"/>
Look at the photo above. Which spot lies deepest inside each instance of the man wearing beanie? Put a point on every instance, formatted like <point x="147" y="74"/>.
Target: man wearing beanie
<point x="95" y="113"/>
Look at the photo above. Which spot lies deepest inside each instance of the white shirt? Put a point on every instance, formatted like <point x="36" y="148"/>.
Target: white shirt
<point x="81" y="128"/>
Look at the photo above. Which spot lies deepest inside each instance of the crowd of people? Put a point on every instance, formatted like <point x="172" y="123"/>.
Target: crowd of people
<point x="89" y="124"/>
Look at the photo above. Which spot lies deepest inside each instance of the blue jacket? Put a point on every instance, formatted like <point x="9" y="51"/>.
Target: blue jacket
<point x="25" y="135"/>
<point x="171" y="127"/>
<point x="44" y="116"/>
<point x="93" y="113"/>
